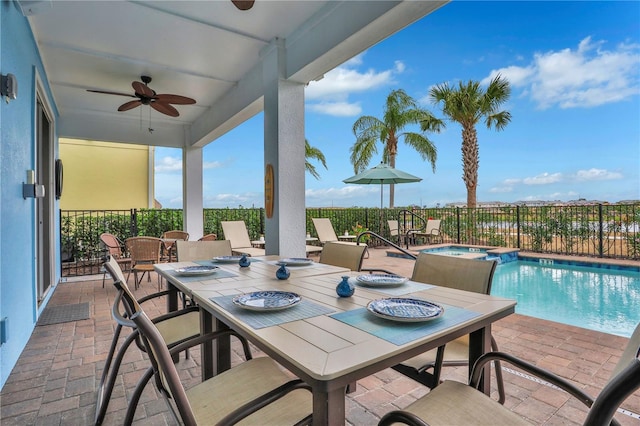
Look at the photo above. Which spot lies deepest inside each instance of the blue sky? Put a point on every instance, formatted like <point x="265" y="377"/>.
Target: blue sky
<point x="574" y="69"/>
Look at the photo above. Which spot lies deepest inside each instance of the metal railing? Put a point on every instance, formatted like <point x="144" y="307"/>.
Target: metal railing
<point x="600" y="230"/>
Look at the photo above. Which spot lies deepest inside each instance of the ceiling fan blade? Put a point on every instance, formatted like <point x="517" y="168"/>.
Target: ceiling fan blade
<point x="143" y="89"/>
<point x="165" y="109"/>
<point x="243" y="4"/>
<point x="175" y="99"/>
<point x="129" y="105"/>
<point x="111" y="93"/>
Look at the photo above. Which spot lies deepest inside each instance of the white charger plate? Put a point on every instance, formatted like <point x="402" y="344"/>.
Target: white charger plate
<point x="194" y="271"/>
<point x="295" y="261"/>
<point x="405" y="309"/>
<point x="227" y="259"/>
<point x="381" y="280"/>
<point x="267" y="300"/>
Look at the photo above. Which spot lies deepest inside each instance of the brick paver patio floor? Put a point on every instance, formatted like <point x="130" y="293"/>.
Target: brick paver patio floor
<point x="55" y="379"/>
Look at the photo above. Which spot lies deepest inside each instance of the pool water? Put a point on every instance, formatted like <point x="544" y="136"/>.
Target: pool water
<point x="589" y="297"/>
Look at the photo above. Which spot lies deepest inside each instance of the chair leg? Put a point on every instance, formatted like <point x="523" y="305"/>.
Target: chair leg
<point x="109" y="373"/>
<point x="135" y="397"/>
<point x="498" y="368"/>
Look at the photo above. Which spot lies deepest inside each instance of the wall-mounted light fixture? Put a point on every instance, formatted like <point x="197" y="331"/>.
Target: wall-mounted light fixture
<point x="31" y="189"/>
<point x="9" y="86"/>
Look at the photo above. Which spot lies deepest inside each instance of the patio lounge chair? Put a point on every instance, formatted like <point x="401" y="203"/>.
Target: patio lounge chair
<point x="176" y="327"/>
<point x="256" y="391"/>
<point x="463" y="274"/>
<point x="326" y="233"/>
<point x="432" y="231"/>
<point x="236" y="232"/>
<point x="457" y="403"/>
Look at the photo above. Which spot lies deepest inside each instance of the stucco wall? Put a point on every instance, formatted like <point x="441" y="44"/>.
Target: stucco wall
<point x="19" y="56"/>
<point x="104" y="175"/>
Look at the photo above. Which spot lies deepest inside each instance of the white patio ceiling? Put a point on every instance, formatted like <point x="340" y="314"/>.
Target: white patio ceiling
<point x="207" y="50"/>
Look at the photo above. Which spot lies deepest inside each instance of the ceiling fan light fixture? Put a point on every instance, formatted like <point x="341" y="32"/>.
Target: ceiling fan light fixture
<point x="243" y="4"/>
<point x="148" y="96"/>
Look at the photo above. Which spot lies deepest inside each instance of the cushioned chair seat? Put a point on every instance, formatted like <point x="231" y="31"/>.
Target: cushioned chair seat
<point x="210" y="400"/>
<point x="442" y="407"/>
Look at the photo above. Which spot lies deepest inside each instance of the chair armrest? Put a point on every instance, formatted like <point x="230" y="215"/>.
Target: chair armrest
<point x="371" y="270"/>
<point x="404" y="417"/>
<point x="263" y="400"/>
<point x="543" y="374"/>
<point x="204" y="338"/>
<point x="153" y="296"/>
<point x="173" y="314"/>
<point x="118" y="316"/>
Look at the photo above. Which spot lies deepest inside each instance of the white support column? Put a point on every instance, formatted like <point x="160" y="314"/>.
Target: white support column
<point x="284" y="150"/>
<point x="192" y="192"/>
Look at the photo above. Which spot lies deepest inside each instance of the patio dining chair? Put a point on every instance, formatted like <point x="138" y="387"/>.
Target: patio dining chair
<point x="202" y="250"/>
<point x="459" y="273"/>
<point x="115" y="249"/>
<point x="343" y="255"/>
<point x="176" y="327"/>
<point x="457" y="403"/>
<point x="169" y="242"/>
<point x="144" y="252"/>
<point x="431" y="232"/>
<point x="256" y="391"/>
<point x="209" y="237"/>
<point x="236" y="232"/>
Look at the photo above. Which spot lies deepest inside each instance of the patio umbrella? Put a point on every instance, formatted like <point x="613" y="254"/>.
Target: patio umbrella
<point x="382" y="174"/>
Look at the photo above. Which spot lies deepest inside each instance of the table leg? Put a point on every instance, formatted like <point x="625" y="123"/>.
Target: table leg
<point x="328" y="407"/>
<point x="480" y="343"/>
<point x="216" y="355"/>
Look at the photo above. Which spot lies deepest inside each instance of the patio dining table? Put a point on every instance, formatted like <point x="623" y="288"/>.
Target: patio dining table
<point x="328" y="341"/>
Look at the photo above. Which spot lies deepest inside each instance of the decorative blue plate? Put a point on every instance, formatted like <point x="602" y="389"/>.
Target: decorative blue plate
<point x="267" y="300"/>
<point x="295" y="261"/>
<point x="193" y="271"/>
<point x="227" y="259"/>
<point x="405" y="309"/>
<point x="381" y="280"/>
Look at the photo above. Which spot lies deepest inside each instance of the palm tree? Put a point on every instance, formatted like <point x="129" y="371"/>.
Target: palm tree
<point x="313" y="153"/>
<point x="467" y="105"/>
<point x="400" y="110"/>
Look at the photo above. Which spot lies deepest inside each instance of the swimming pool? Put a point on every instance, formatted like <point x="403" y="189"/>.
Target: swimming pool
<point x="590" y="297"/>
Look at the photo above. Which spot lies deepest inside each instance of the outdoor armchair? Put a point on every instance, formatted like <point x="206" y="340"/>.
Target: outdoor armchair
<point x="115" y="249"/>
<point x="144" y="252"/>
<point x="459" y="273"/>
<point x="457" y="403"/>
<point x="175" y="327"/>
<point x="256" y="391"/>
<point x="169" y="240"/>
<point x="209" y="237"/>
<point x="432" y="231"/>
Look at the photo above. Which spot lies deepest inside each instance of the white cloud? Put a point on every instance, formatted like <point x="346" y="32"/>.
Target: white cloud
<point x="168" y="165"/>
<point x="212" y="164"/>
<point x="543" y="179"/>
<point x="583" y="77"/>
<point x="597" y="174"/>
<point x="331" y="93"/>
<point x="339" y="109"/>
<point x="501" y="189"/>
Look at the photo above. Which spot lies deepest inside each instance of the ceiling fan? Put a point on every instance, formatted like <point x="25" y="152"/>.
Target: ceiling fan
<point x="148" y="96"/>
